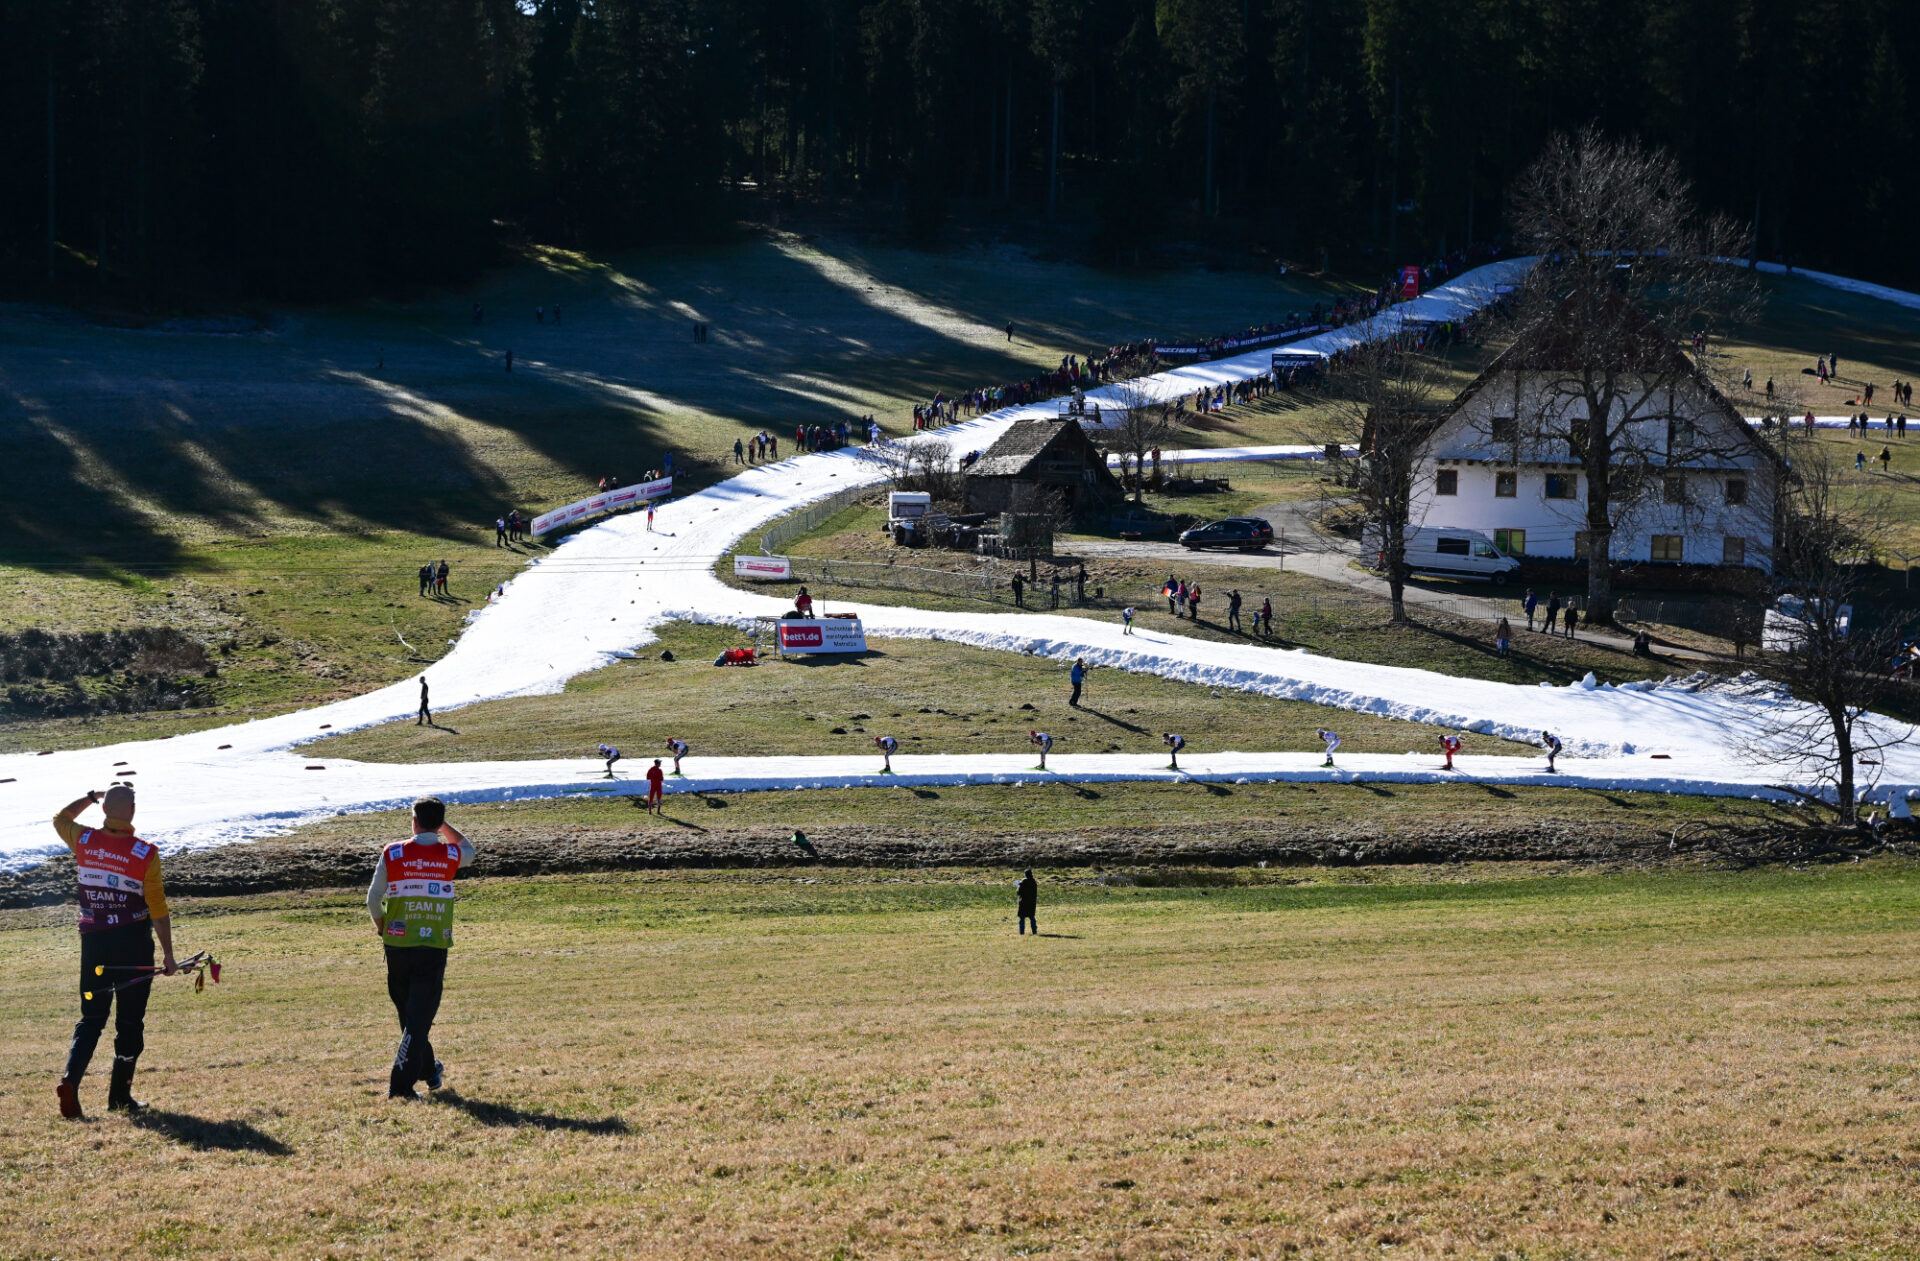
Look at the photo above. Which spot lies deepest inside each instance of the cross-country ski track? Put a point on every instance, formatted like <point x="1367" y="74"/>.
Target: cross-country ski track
<point x="600" y="594"/>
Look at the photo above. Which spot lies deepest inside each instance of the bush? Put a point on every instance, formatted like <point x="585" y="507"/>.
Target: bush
<point x="49" y="675"/>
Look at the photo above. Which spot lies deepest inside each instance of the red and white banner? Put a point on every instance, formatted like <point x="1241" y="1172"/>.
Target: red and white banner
<point x="1410" y="281"/>
<point x="605" y="501"/>
<point x="771" y="568"/>
<point x="827" y="634"/>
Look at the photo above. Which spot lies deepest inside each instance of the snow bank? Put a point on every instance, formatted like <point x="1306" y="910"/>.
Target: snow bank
<point x="599" y="595"/>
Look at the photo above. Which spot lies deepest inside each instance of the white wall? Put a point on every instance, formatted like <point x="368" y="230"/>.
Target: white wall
<point x="1462" y="445"/>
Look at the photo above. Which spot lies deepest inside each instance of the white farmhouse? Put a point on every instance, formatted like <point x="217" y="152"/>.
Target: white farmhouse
<point x="1695" y="486"/>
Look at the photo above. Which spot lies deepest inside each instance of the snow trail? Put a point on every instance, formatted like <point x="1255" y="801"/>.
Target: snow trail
<point x="601" y="593"/>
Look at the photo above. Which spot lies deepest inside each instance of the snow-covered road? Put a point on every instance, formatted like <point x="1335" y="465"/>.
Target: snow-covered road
<point x="600" y="594"/>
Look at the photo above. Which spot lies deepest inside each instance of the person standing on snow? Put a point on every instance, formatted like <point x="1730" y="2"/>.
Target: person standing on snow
<point x="1552" y="745"/>
<point x="612" y="755"/>
<point x="1332" y="741"/>
<point x="888" y="745"/>
<point x="1126" y="620"/>
<point x="678" y="748"/>
<point x="1174" y="743"/>
<point x="1449" y="743"/>
<point x="1045" y="742"/>
<point x="1027" y="895"/>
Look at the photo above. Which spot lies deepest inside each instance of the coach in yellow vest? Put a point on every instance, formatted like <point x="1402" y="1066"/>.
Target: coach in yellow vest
<point x="411" y="902"/>
<point x="123" y="906"/>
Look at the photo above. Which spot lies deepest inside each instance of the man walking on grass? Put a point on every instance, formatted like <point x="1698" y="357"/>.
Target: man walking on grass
<point x="411" y="903"/>
<point x="123" y="907"/>
<point x="1027" y="891"/>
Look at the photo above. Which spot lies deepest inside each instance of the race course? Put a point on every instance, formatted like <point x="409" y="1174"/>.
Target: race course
<point x="602" y="592"/>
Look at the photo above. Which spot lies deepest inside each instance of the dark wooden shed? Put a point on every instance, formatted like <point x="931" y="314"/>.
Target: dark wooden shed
<point x="1041" y="461"/>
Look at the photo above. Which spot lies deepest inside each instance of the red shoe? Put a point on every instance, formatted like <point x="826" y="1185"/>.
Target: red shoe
<point x="69" y="1100"/>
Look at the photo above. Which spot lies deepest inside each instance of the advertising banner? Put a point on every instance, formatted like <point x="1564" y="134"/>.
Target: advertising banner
<point x="1410" y="281"/>
<point x="605" y="501"/>
<point x="767" y="568"/>
<point x="829" y="634"/>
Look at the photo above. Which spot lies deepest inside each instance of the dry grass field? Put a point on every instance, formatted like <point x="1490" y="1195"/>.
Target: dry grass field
<point x="1456" y="1062"/>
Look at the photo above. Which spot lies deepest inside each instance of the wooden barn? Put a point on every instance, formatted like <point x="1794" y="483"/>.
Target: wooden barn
<point x="1038" y="465"/>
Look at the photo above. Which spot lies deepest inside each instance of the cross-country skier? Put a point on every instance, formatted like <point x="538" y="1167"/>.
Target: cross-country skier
<point x="1451" y="744"/>
<point x="1045" y="742"/>
<point x="1332" y="740"/>
<point x="1126" y="620"/>
<point x="678" y="748"/>
<point x="612" y="755"/>
<point x="1175" y="743"/>
<point x="887" y="747"/>
<point x="1552" y="743"/>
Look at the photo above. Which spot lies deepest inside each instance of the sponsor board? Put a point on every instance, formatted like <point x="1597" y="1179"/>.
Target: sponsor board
<point x="828" y="634"/>
<point x="769" y="568"/>
<point x="1410" y="281"/>
<point x="605" y="501"/>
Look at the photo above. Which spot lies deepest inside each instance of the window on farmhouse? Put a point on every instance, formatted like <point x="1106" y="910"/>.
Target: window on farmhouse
<point x="1511" y="542"/>
<point x="1506" y="429"/>
<point x="1736" y="494"/>
<point x="1680" y="436"/>
<point x="1563" y="486"/>
<point x="1674" y="488"/>
<point x="1733" y="550"/>
<point x="1446" y="482"/>
<point x="1668" y="547"/>
<point x="1506" y="485"/>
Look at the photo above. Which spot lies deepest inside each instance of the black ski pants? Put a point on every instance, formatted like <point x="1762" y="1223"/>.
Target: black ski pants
<point x="120" y="951"/>
<point x="415" y="975"/>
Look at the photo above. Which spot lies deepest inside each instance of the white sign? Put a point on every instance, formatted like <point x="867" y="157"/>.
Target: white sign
<point x="826" y="634"/>
<point x="768" y="568"/>
<point x="605" y="501"/>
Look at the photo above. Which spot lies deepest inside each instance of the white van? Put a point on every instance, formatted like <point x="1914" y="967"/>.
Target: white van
<point x="908" y="505"/>
<point x="1452" y="553"/>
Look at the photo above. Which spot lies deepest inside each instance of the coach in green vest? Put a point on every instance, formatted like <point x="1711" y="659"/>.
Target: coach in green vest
<point x="411" y="902"/>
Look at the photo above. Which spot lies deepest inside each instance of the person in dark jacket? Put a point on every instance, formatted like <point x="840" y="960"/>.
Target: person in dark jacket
<point x="1077" y="676"/>
<point x="1553" y="613"/>
<point x="1028" y="891"/>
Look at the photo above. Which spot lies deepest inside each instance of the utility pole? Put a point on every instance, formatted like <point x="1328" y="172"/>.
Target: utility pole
<point x="53" y="204"/>
<point x="1206" y="201"/>
<point x="1393" y="198"/>
<point x="1053" y="153"/>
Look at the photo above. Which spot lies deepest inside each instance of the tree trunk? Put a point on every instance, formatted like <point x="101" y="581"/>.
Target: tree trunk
<point x="1843" y="757"/>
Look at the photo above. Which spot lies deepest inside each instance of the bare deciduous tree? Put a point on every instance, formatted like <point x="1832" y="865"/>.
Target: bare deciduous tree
<point x="1137" y="424"/>
<point x="1627" y="279"/>
<point x="1387" y="406"/>
<point x="1836" y="669"/>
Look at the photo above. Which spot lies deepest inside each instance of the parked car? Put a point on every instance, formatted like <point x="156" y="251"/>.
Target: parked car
<point x="1245" y="534"/>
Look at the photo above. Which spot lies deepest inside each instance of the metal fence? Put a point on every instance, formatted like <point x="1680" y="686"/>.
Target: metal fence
<point x="994" y="586"/>
<point x="791" y="527"/>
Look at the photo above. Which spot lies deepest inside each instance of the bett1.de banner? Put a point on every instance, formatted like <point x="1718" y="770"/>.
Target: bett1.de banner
<point x="827" y="634"/>
<point x="605" y="501"/>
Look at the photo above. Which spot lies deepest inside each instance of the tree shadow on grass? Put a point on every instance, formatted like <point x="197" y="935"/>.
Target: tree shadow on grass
<point x="210" y="1136"/>
<point x="505" y="1115"/>
<point x="1117" y="722"/>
